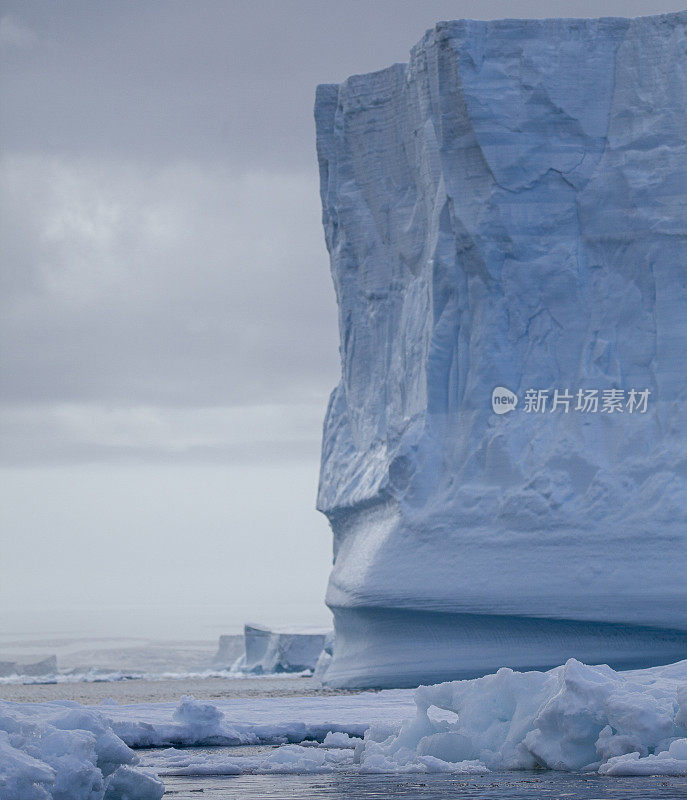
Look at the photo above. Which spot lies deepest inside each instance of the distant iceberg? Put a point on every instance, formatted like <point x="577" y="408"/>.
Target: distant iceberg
<point x="280" y="649"/>
<point x="506" y="217"/>
<point x="27" y="667"/>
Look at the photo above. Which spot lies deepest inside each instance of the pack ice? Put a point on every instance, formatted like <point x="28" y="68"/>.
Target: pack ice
<point x="65" y="751"/>
<point x="508" y="211"/>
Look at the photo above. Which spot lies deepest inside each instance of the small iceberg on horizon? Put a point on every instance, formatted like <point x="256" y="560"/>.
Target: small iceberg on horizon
<point x="270" y="650"/>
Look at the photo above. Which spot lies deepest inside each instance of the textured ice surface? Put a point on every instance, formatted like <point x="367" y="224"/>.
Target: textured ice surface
<point x="508" y="210"/>
<point x="63" y="751"/>
<point x="252" y="721"/>
<point x="574" y="717"/>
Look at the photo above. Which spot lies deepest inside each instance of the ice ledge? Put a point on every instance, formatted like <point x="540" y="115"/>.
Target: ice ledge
<point x="406" y="648"/>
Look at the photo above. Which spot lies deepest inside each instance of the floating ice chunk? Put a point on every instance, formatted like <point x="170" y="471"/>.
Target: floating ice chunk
<point x="570" y="718"/>
<point x="670" y="762"/>
<point x="433" y="764"/>
<point x="294" y="759"/>
<point x="286" y="759"/>
<point x="63" y="750"/>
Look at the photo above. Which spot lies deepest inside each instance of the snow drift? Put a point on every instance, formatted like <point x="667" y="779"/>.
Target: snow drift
<point x="508" y="211"/>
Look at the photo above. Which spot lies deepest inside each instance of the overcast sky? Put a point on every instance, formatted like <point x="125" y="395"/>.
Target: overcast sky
<point x="168" y="325"/>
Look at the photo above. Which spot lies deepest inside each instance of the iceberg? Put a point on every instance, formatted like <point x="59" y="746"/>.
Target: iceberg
<point x="504" y="459"/>
<point x="229" y="648"/>
<point x="40" y="668"/>
<point x="281" y="649"/>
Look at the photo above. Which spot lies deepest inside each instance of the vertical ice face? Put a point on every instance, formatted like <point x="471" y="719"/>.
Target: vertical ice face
<point x="509" y="209"/>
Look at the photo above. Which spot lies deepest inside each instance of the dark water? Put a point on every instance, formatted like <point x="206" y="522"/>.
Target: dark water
<point x="495" y="786"/>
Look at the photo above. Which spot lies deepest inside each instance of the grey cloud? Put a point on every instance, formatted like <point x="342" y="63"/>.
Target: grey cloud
<point x="77" y="433"/>
<point x="183" y="285"/>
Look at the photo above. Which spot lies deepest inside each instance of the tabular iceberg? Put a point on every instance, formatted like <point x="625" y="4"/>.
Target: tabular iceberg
<point x="506" y="217"/>
<point x="286" y="649"/>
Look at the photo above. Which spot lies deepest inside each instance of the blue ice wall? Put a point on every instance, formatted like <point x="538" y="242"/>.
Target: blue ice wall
<point x="509" y="209"/>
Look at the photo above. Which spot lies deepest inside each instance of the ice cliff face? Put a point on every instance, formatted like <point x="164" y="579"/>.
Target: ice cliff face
<point x="508" y="210"/>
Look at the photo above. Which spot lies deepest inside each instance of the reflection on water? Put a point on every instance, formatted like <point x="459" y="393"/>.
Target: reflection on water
<point x="495" y="786"/>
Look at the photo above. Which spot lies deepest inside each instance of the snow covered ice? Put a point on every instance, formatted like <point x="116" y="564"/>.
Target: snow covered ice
<point x="508" y="210"/>
<point x="63" y="751"/>
<point x="253" y="721"/>
<point x="575" y="718"/>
